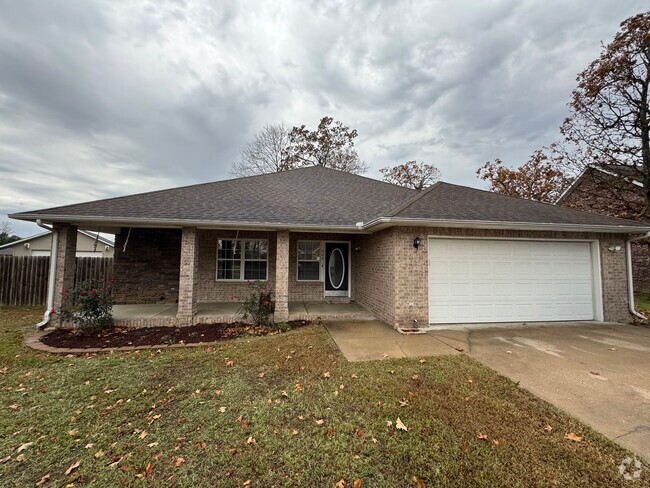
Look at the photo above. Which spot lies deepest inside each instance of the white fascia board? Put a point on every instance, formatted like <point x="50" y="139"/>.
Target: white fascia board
<point x="384" y="222"/>
<point x="180" y="223"/>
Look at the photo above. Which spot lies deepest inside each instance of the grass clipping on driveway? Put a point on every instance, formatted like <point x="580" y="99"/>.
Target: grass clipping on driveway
<point x="285" y="410"/>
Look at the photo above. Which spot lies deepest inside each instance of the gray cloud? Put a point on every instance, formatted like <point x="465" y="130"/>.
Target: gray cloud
<point x="101" y="98"/>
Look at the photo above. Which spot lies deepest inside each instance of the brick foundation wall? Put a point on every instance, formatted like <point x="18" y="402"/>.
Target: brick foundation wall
<point x="148" y="272"/>
<point x="374" y="268"/>
<point x="411" y="269"/>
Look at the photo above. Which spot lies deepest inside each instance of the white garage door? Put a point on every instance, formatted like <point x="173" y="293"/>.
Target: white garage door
<point x="476" y="280"/>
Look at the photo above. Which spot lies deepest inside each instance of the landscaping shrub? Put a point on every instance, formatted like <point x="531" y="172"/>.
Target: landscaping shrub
<point x="258" y="304"/>
<point x="88" y="305"/>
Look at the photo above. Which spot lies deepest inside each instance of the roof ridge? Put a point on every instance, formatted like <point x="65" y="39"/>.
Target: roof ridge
<point x="413" y="199"/>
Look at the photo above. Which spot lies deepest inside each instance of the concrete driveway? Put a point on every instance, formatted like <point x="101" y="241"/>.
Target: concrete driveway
<point x="599" y="373"/>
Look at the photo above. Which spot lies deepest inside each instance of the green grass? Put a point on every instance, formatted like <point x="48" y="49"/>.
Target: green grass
<point x="95" y="408"/>
<point x="642" y="301"/>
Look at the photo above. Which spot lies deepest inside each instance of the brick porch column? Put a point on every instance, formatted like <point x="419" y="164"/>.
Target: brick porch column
<point x="281" y="313"/>
<point x="66" y="264"/>
<point x="187" y="276"/>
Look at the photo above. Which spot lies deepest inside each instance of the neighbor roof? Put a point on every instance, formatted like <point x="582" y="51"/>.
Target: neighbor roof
<point x="317" y="197"/>
<point x="101" y="239"/>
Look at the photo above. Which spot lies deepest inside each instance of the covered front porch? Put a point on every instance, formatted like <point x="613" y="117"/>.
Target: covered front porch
<point x="228" y="312"/>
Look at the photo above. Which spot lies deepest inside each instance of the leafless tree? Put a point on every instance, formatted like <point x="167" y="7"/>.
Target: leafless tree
<point x="264" y="154"/>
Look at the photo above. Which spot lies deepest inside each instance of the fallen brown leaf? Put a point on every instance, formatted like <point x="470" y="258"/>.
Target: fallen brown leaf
<point x="356" y="483"/>
<point x="24" y="446"/>
<point x="400" y="425"/>
<point x="179" y="461"/>
<point x="418" y="482"/>
<point x="72" y="467"/>
<point x="495" y="442"/>
<point x="340" y="483"/>
<point x="20" y="458"/>
<point x="5" y="459"/>
<point x="230" y="364"/>
<point x="481" y="436"/>
<point x="548" y="428"/>
<point x="572" y="436"/>
<point x="326" y="374"/>
<point x="43" y="480"/>
<point x="320" y="422"/>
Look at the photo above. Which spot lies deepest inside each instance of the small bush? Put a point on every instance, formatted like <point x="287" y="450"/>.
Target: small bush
<point x="257" y="304"/>
<point x="88" y="305"/>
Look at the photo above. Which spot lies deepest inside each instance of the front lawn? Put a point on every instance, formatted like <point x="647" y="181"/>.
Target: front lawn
<point x="283" y="410"/>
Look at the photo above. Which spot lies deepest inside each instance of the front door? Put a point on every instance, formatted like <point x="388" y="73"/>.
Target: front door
<point x="337" y="269"/>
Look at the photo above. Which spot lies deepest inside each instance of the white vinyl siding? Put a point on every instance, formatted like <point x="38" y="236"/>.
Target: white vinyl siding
<point x="483" y="280"/>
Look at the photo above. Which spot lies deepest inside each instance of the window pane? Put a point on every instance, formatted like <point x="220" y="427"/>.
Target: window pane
<point x="309" y="270"/>
<point x="228" y="270"/>
<point x="308" y="250"/>
<point x="256" y="250"/>
<point x="255" y="270"/>
<point x="224" y="249"/>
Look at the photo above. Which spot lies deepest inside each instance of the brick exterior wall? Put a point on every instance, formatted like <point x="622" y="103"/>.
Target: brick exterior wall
<point x="374" y="269"/>
<point x="314" y="291"/>
<point x="211" y="290"/>
<point x="411" y="269"/>
<point x="65" y="260"/>
<point x="389" y="277"/>
<point x="188" y="274"/>
<point x="148" y="272"/>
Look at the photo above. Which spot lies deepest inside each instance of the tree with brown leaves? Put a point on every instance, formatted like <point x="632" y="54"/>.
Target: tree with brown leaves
<point x="331" y="145"/>
<point x="539" y="179"/>
<point x="609" y="124"/>
<point x="411" y="174"/>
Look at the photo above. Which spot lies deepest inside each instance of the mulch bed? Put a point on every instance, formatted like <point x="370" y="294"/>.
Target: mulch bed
<point x="151" y="336"/>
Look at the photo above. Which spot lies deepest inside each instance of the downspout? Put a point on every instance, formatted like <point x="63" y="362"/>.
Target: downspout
<point x="52" y="275"/>
<point x="630" y="280"/>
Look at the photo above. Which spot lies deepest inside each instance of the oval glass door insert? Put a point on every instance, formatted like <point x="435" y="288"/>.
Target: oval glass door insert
<point x="336" y="269"/>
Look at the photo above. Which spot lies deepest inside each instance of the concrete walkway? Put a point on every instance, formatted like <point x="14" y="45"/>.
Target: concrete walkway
<point x="371" y="339"/>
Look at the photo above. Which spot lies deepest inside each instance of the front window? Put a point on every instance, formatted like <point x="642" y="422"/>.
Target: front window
<point x="242" y="259"/>
<point x="309" y="253"/>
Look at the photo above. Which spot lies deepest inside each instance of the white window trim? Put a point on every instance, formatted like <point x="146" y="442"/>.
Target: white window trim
<point x="242" y="260"/>
<point x="321" y="261"/>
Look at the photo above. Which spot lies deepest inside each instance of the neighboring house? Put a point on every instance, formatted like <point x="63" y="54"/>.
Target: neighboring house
<point x="447" y="254"/>
<point x="618" y="192"/>
<point x="88" y="245"/>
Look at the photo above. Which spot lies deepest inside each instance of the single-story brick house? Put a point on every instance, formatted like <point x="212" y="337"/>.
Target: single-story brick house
<point x="447" y="254"/>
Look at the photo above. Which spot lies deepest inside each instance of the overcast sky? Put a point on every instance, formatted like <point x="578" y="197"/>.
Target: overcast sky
<point x="105" y="98"/>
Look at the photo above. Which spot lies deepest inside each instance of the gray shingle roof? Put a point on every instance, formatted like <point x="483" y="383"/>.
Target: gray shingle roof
<point x="445" y="201"/>
<point x="313" y="195"/>
<point x="320" y="197"/>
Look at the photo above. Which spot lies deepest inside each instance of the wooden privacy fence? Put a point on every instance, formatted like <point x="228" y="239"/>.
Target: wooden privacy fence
<point x="23" y="279"/>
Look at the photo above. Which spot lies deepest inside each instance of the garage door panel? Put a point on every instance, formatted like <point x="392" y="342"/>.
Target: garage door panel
<point x="508" y="280"/>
